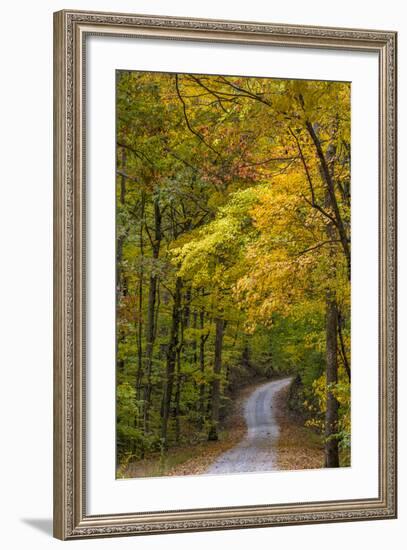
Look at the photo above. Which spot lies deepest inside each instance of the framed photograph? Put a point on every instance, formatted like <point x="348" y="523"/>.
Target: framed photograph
<point x="225" y="274"/>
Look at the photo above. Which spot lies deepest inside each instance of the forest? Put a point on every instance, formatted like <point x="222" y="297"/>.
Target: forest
<point x="233" y="258"/>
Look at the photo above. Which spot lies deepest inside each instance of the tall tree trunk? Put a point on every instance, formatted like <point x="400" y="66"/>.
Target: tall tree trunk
<point x="171" y="360"/>
<point x="331" y="368"/>
<point x="344" y="354"/>
<point x="202" y="341"/>
<point x="178" y="385"/>
<point x="332" y="405"/>
<point x="328" y="178"/>
<point x="187" y="345"/>
<point x="177" y="397"/>
<point x="121" y="281"/>
<point x="194" y="342"/>
<point x="187" y="308"/>
<point x="215" y="389"/>
<point x="151" y="311"/>
<point x="139" y="372"/>
<point x="331" y="322"/>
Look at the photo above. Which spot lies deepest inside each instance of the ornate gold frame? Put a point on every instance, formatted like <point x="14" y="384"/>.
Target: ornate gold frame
<point x="70" y="518"/>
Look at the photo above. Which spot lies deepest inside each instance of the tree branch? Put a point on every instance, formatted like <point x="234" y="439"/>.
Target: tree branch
<point x="136" y="152"/>
<point x="331" y="191"/>
<point x="124" y="175"/>
<point x="313" y="202"/>
<point x="184" y="108"/>
<point x="318" y="246"/>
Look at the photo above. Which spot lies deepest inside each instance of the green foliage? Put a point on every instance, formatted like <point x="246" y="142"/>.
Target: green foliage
<point x="222" y="213"/>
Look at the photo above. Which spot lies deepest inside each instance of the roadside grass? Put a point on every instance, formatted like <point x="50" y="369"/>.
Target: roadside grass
<point x="298" y="447"/>
<point x="193" y="458"/>
<point x="183" y="460"/>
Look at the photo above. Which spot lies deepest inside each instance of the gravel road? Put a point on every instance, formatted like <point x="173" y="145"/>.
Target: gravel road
<point x="255" y="452"/>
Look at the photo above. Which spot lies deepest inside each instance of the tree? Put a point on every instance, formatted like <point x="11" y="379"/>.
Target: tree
<point x="233" y="251"/>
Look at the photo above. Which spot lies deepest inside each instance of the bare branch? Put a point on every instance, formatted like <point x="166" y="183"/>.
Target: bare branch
<point x="184" y="107"/>
<point x="140" y="154"/>
<point x="124" y="175"/>
<point x="313" y="202"/>
<point x="323" y="243"/>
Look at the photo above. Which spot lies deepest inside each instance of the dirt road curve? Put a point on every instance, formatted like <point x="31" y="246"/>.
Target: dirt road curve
<point x="255" y="451"/>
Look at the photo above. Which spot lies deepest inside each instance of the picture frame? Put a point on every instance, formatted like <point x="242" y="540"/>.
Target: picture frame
<point x="72" y="520"/>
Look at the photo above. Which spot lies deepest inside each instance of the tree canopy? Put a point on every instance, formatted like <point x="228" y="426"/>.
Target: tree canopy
<point x="233" y="253"/>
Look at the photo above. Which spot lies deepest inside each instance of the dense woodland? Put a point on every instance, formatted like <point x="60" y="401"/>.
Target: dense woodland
<point x="233" y="253"/>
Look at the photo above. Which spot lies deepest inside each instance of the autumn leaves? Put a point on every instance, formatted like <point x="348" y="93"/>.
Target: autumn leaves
<point x="233" y="220"/>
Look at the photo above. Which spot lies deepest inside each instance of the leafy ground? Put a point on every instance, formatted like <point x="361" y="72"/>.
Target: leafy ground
<point x="194" y="459"/>
<point x="298" y="447"/>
